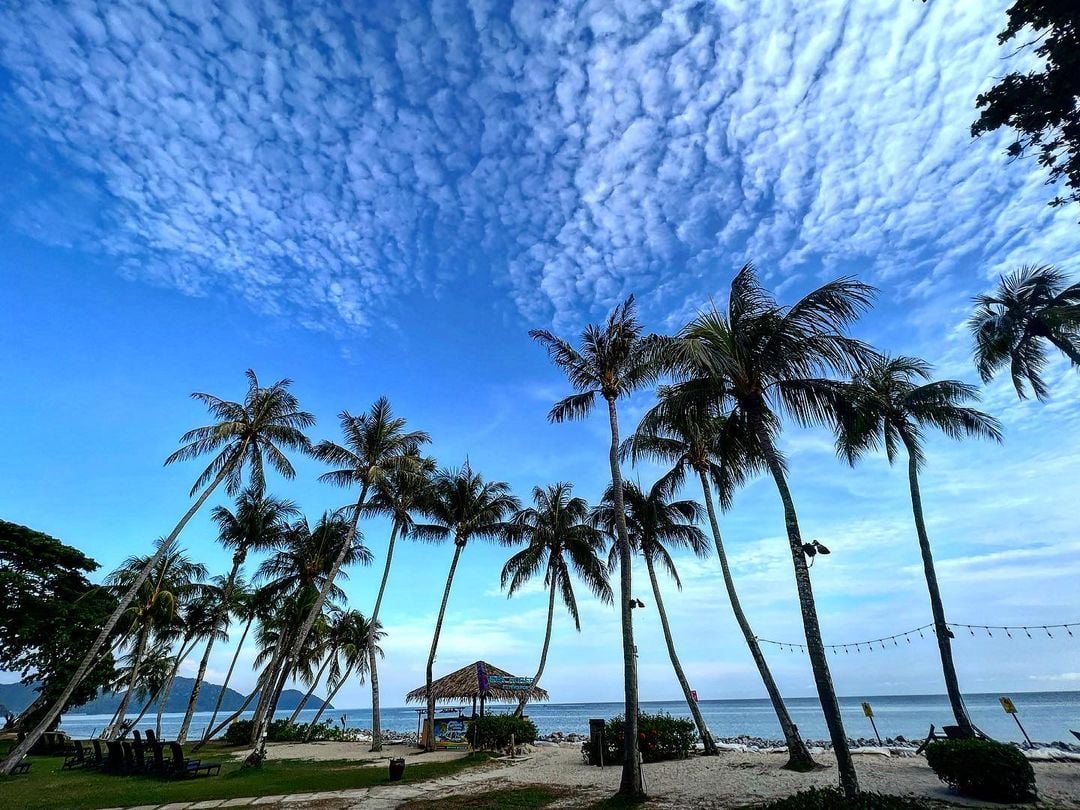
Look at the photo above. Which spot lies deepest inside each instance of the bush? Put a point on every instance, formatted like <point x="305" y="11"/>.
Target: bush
<point x="239" y="732"/>
<point x="983" y="769"/>
<point x="492" y="731"/>
<point x="660" y="737"/>
<point x="833" y="799"/>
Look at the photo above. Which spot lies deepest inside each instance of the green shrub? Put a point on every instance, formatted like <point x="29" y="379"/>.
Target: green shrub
<point x="660" y="737"/>
<point x="833" y="799"/>
<point x="492" y="731"/>
<point x="239" y="732"/>
<point x="983" y="769"/>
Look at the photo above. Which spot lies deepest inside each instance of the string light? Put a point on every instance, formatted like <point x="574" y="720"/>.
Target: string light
<point x="787" y="646"/>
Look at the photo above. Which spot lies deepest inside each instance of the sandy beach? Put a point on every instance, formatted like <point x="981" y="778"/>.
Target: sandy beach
<point x="731" y="780"/>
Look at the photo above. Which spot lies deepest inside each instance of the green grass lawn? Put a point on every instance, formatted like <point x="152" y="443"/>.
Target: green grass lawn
<point x="47" y="786"/>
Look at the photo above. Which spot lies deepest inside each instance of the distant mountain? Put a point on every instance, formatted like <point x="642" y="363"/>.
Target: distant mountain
<point x="17" y="697"/>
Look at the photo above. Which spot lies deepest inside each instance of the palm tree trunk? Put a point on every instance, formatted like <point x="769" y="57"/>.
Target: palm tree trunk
<point x="226" y="594"/>
<point x="699" y="721"/>
<point x="318" y="677"/>
<point x="228" y="677"/>
<point x="376" y="719"/>
<point x="329" y="699"/>
<point x="212" y="731"/>
<point x="543" y="652"/>
<point x="631" y="784"/>
<point x="324" y="591"/>
<point x="274" y="668"/>
<point x="180" y="656"/>
<point x="941" y="629"/>
<point x="429" y="741"/>
<point x="146" y="708"/>
<point x="19" y="751"/>
<point x="136" y="665"/>
<point x="815" y="648"/>
<point x="799" y="758"/>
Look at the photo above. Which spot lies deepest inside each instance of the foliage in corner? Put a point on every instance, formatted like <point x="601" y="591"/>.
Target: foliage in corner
<point x="492" y="732"/>
<point x="239" y="732"/>
<point x="660" y="737"/>
<point x="983" y="769"/>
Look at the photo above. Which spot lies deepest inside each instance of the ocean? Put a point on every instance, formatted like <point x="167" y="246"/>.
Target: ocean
<point x="1047" y="716"/>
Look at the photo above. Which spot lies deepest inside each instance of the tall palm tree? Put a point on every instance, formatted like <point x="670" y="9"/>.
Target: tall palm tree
<point x="256" y="525"/>
<point x="375" y="442"/>
<point x="199" y="620"/>
<point x="1030" y="308"/>
<point x="688" y="433"/>
<point x="154" y="668"/>
<point x="155" y="616"/>
<point x="397" y="494"/>
<point x="891" y="401"/>
<point x="766" y="361"/>
<point x="357" y="637"/>
<point x="245" y="436"/>
<point x="614" y="360"/>
<point x="560" y="539"/>
<point x="461" y="505"/>
<point x="243" y="604"/>
<point x="655" y="522"/>
<point x="322" y="649"/>
<point x="304" y="570"/>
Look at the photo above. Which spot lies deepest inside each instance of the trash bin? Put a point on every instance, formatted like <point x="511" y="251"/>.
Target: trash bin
<point x="596" y="741"/>
<point x="397" y="769"/>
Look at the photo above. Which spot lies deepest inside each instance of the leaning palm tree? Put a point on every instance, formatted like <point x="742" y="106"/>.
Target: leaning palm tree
<point x="199" y="620"/>
<point x="245" y="436"/>
<point x="1030" y="308"/>
<point x="614" y="361"/>
<point x="766" y="361"/>
<point x="890" y="403"/>
<point x="155" y="616"/>
<point x="461" y="505"/>
<point x="322" y="648"/>
<point x="656" y="523"/>
<point x="687" y="432"/>
<point x="560" y="539"/>
<point x="155" y="669"/>
<point x="375" y="442"/>
<point x="356" y="637"/>
<point x="256" y="525"/>
<point x="397" y="494"/>
<point x="243" y="605"/>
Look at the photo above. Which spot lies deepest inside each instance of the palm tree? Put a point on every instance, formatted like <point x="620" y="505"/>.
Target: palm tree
<point x="155" y="616"/>
<point x="243" y="604"/>
<point x="766" y="361"/>
<point x="687" y="433"/>
<point x="199" y="620"/>
<point x="256" y="525"/>
<point x="154" y="669"/>
<point x="375" y="442"/>
<point x="397" y="493"/>
<point x="245" y="436"/>
<point x="357" y="637"/>
<point x="655" y="522"/>
<point x="614" y="361"/>
<point x="461" y="505"/>
<point x="303" y="571"/>
<point x="1030" y="308"/>
<point x="559" y="538"/>
<point x="323" y="642"/>
<point x="889" y="407"/>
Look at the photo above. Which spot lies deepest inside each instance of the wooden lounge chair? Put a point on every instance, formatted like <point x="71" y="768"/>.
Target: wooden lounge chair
<point x="138" y="748"/>
<point x="75" y="758"/>
<point x="95" y="759"/>
<point x="181" y="767"/>
<point x="157" y="762"/>
<point x="114" y="763"/>
<point x="129" y="756"/>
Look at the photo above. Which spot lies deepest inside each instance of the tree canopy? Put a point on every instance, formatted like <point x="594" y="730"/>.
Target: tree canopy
<point x="50" y="613"/>
<point x="1042" y="106"/>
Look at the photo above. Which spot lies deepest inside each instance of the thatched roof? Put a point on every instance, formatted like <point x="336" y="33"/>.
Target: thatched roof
<point x="465" y="685"/>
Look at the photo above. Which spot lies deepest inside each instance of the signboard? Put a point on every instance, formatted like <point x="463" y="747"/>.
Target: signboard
<point x="1007" y="705"/>
<point x="450" y="734"/>
<point x="510" y="682"/>
<point x="693" y="694"/>
<point x="867" y="710"/>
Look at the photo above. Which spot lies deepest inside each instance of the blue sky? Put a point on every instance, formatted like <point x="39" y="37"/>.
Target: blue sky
<point x="384" y="201"/>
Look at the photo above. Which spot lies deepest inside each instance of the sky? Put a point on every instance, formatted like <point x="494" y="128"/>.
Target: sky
<point x="382" y="199"/>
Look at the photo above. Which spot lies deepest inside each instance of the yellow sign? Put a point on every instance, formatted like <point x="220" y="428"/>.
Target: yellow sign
<point x="867" y="710"/>
<point x="1007" y="705"/>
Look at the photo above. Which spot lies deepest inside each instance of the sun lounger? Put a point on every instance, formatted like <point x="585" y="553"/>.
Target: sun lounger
<point x="94" y="757"/>
<point x="76" y="757"/>
<point x="114" y="763"/>
<point x="181" y="767"/>
<point x="129" y="756"/>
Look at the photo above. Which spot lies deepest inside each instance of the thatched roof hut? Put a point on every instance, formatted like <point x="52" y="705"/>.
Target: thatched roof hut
<point x="464" y="684"/>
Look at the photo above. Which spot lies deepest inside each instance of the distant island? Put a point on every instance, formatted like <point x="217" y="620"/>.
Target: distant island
<point x="16" y="696"/>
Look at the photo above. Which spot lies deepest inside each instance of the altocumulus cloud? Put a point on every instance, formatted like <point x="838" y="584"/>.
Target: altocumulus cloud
<point x="324" y="160"/>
